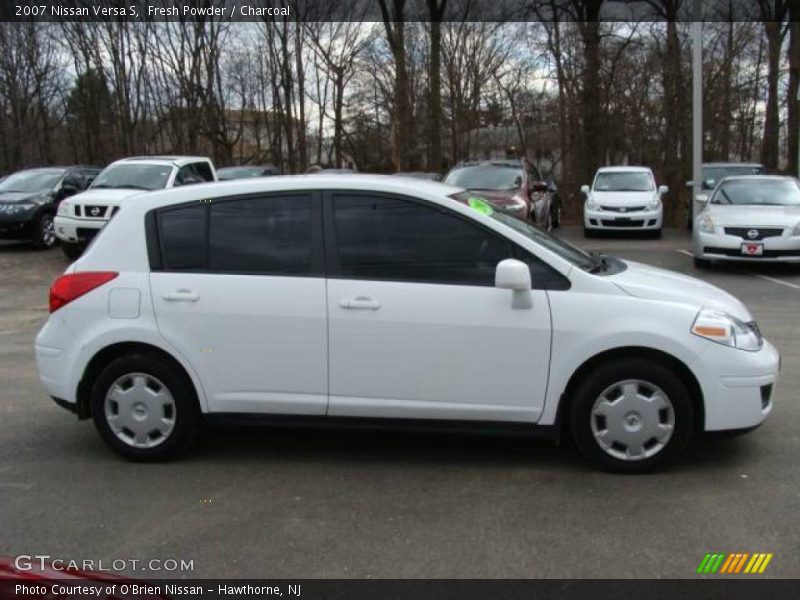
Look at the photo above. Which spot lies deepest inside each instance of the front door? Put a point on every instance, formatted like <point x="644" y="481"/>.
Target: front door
<point x="416" y="327"/>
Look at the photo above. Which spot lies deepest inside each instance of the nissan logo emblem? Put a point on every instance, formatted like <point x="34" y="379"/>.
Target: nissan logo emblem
<point x="95" y="211"/>
<point x="752" y="234"/>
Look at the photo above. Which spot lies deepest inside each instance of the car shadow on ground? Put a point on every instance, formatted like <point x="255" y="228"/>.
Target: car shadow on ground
<point x="236" y="444"/>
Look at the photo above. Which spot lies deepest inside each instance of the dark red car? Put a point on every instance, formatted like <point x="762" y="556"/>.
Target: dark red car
<point x="512" y="186"/>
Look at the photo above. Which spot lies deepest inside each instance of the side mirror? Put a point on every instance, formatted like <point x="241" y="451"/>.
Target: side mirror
<point x="662" y="189"/>
<point x="512" y="274"/>
<point x="702" y="198"/>
<point x="709" y="184"/>
<point x="585" y="189"/>
<point x="539" y="186"/>
<point x="67" y="189"/>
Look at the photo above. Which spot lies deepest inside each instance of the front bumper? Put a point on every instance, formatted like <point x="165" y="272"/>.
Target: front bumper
<point x="721" y="246"/>
<point x="737" y="385"/>
<point x="76" y="231"/>
<point x="644" y="220"/>
<point x="18" y="226"/>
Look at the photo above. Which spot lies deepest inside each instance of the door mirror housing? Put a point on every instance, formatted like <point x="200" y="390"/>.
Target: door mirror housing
<point x="585" y="189"/>
<point x="512" y="274"/>
<point x="662" y="189"/>
<point x="709" y="184"/>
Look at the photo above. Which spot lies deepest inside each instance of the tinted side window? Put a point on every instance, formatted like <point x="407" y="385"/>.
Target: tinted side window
<point x="272" y="234"/>
<point x="400" y="240"/>
<point x="182" y="233"/>
<point x="202" y="170"/>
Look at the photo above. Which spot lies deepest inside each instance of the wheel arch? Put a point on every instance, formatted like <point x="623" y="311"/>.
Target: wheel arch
<point x="659" y="356"/>
<point x="103" y="357"/>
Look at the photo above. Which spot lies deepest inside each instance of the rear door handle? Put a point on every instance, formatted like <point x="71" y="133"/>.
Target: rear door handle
<point x="360" y="303"/>
<point x="181" y="296"/>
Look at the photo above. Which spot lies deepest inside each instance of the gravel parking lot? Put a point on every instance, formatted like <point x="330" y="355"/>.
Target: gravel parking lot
<point x="265" y="503"/>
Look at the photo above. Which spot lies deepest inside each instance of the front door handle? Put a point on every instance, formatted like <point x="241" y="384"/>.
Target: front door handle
<point x="360" y="303"/>
<point x="181" y="296"/>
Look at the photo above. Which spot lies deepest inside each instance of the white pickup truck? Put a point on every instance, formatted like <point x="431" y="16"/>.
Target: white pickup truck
<point x="82" y="216"/>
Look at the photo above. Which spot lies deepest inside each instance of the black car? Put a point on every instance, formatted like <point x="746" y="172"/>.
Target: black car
<point x="246" y="171"/>
<point x="29" y="200"/>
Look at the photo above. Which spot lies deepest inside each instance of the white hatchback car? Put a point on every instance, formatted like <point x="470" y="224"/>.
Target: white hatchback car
<point x="623" y="199"/>
<point x="346" y="299"/>
<point x="80" y="217"/>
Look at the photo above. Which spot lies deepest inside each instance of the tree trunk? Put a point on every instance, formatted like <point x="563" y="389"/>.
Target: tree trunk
<point x="436" y="12"/>
<point x="769" y="145"/>
<point x="401" y="130"/>
<point x="794" y="81"/>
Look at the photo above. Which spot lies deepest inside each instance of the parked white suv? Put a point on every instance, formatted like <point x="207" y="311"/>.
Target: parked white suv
<point x="352" y="298"/>
<point x="82" y="216"/>
<point x="623" y="199"/>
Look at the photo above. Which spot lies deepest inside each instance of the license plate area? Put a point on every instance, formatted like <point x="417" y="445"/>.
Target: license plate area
<point x="753" y="249"/>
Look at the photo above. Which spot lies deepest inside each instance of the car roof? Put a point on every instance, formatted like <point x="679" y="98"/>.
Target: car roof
<point x="733" y="164"/>
<point x="759" y="178"/>
<point x="625" y="169"/>
<point x="160" y="160"/>
<point x="278" y="183"/>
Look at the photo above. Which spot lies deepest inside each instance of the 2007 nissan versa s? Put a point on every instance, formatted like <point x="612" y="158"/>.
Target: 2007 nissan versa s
<point x="354" y="298"/>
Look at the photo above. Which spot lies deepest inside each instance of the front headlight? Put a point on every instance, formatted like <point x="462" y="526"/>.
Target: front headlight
<point x="591" y="204"/>
<point x="63" y="208"/>
<point x="706" y="224"/>
<point x="654" y="204"/>
<point x="796" y="230"/>
<point x="727" y="330"/>
<point x="17" y="207"/>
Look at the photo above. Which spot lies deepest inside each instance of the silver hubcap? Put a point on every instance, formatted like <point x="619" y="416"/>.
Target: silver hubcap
<point x="48" y="232"/>
<point x="632" y="420"/>
<point x="140" y="410"/>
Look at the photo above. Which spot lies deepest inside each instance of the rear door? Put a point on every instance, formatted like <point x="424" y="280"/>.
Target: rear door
<point x="416" y="327"/>
<point x="239" y="291"/>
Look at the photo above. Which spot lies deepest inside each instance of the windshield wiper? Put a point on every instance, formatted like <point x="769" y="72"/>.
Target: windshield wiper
<point x="599" y="262"/>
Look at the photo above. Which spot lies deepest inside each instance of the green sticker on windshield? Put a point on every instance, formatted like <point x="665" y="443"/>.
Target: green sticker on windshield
<point x="481" y="206"/>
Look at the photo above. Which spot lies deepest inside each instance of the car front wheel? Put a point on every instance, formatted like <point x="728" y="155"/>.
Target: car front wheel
<point x="144" y="409"/>
<point x="45" y="234"/>
<point x="632" y="415"/>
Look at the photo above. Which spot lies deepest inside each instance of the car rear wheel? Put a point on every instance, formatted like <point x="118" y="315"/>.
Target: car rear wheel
<point x="631" y="416"/>
<point x="144" y="409"/>
<point x="71" y="250"/>
<point x="45" y="235"/>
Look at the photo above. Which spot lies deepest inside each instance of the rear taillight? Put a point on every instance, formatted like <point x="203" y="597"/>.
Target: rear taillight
<point x="67" y="288"/>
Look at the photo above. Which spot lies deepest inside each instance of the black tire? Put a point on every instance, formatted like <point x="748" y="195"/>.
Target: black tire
<point x="656" y="235"/>
<point x="607" y="375"/>
<point x="186" y="412"/>
<point x="72" y="251"/>
<point x="589" y="233"/>
<point x="701" y="263"/>
<point x="44" y="237"/>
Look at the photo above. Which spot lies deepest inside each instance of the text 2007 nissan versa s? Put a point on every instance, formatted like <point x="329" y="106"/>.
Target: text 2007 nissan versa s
<point x="357" y="298"/>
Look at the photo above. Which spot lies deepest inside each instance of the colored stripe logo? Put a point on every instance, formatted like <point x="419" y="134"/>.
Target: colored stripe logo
<point x="734" y="563"/>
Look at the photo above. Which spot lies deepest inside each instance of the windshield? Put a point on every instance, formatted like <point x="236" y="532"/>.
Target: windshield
<point x="565" y="250"/>
<point x="239" y="172"/>
<point x="136" y="177"/>
<point x="713" y="175"/>
<point x="765" y="192"/>
<point x="485" y="177"/>
<point x="629" y="181"/>
<point x="32" y="181"/>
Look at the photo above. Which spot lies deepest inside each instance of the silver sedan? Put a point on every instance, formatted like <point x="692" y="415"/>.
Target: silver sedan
<point x="750" y="218"/>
